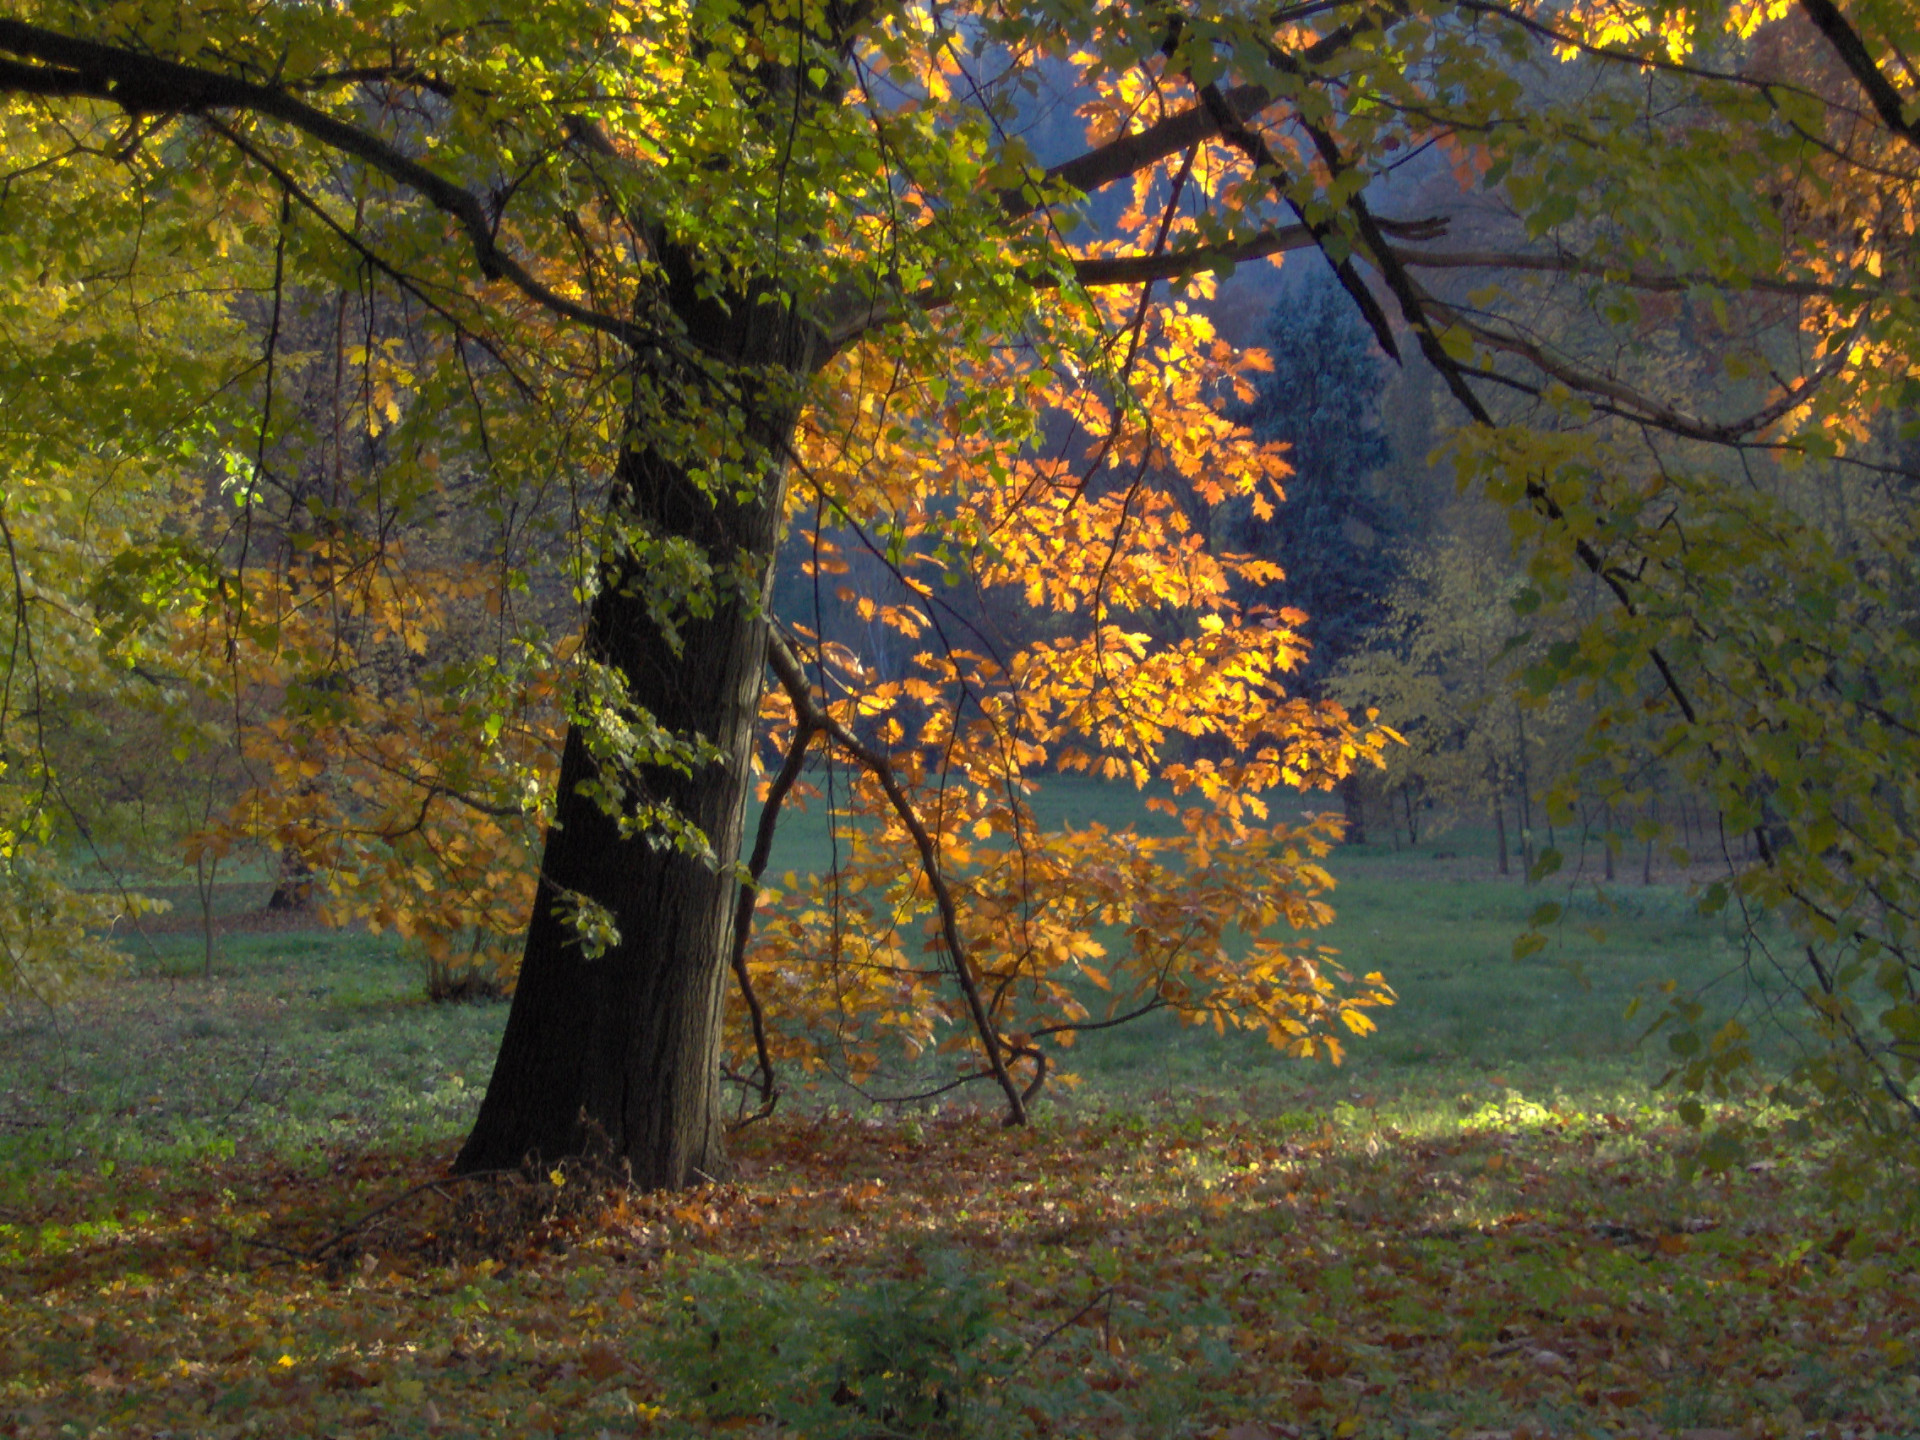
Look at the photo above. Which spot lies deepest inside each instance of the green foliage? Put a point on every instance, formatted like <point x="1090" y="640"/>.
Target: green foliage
<point x="52" y="936"/>
<point x="1791" y="662"/>
<point x="1447" y="668"/>
<point x="846" y="1357"/>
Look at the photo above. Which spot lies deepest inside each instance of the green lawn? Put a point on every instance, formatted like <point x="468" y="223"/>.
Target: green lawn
<point x="310" y="1041"/>
<point x="1471" y="1021"/>
<point x="304" y="1042"/>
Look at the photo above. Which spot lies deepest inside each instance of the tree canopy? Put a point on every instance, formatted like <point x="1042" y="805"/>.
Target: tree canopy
<point x="414" y="336"/>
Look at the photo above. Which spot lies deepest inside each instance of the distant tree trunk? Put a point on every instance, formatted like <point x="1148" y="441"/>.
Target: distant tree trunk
<point x="1353" y="803"/>
<point x="622" y="1051"/>
<point x="1406" y="802"/>
<point x="206" y="870"/>
<point x="1606" y="840"/>
<point x="293" y="886"/>
<point x="1526" y="797"/>
<point x="1646" y="865"/>
<point x="1500" y="827"/>
<point x="293" y="883"/>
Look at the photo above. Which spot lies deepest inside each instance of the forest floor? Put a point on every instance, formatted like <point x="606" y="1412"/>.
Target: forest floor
<point x="224" y="1212"/>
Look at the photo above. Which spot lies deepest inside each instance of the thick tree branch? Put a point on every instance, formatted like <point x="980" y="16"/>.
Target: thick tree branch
<point x="145" y="84"/>
<point x="1131" y="153"/>
<point x="1648" y="280"/>
<point x="853" y="315"/>
<point x="1251" y="144"/>
<point x="1629" y="403"/>
<point x="1853" y="53"/>
<point x="1413" y="309"/>
<point x="1100" y="270"/>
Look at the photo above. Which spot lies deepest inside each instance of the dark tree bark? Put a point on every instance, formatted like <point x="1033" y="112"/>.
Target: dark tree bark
<point x="1353" y="805"/>
<point x="622" y="1051"/>
<point x="293" y="885"/>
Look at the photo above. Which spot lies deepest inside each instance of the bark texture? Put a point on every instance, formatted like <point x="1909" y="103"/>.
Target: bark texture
<point x="622" y="1051"/>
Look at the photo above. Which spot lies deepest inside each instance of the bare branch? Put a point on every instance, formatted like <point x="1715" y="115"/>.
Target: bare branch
<point x="1649" y="280"/>
<point x="1100" y="270"/>
<point x="1129" y="154"/>
<point x="783" y="783"/>
<point x="1260" y="155"/>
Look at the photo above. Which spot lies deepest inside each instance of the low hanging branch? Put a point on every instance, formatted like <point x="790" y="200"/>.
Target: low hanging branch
<point x="783" y="783"/>
<point x="793" y="679"/>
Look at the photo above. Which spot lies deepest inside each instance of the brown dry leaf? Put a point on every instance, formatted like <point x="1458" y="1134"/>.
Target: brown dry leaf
<point x="601" y="1361"/>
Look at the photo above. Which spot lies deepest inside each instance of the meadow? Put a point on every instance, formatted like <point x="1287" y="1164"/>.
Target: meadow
<point x="223" y="1212"/>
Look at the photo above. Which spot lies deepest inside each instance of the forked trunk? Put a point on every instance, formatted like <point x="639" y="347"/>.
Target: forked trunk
<point x="620" y="1053"/>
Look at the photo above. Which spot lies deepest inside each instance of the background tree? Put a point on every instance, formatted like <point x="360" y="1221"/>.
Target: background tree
<point x="1339" y="536"/>
<point x="1446" y="663"/>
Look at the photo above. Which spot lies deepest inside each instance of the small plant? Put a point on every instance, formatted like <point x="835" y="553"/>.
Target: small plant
<point x="482" y="969"/>
<point x="824" y="1359"/>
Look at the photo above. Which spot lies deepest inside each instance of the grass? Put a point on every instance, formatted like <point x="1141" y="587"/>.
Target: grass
<point x="222" y="1214"/>
<point x="310" y="1042"/>
<point x="305" y="1042"/>
<point x="1470" y="1019"/>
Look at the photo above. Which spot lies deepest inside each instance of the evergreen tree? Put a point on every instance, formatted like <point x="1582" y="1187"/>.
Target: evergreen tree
<point x="1337" y="536"/>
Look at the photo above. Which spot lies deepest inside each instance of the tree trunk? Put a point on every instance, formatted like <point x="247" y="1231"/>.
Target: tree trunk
<point x="293" y="882"/>
<point x="1646" y="865"/>
<point x="1526" y="795"/>
<point x="1353" y="804"/>
<point x="620" y="1053"/>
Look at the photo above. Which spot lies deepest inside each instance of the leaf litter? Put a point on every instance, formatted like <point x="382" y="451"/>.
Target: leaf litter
<point x="1203" y="1273"/>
